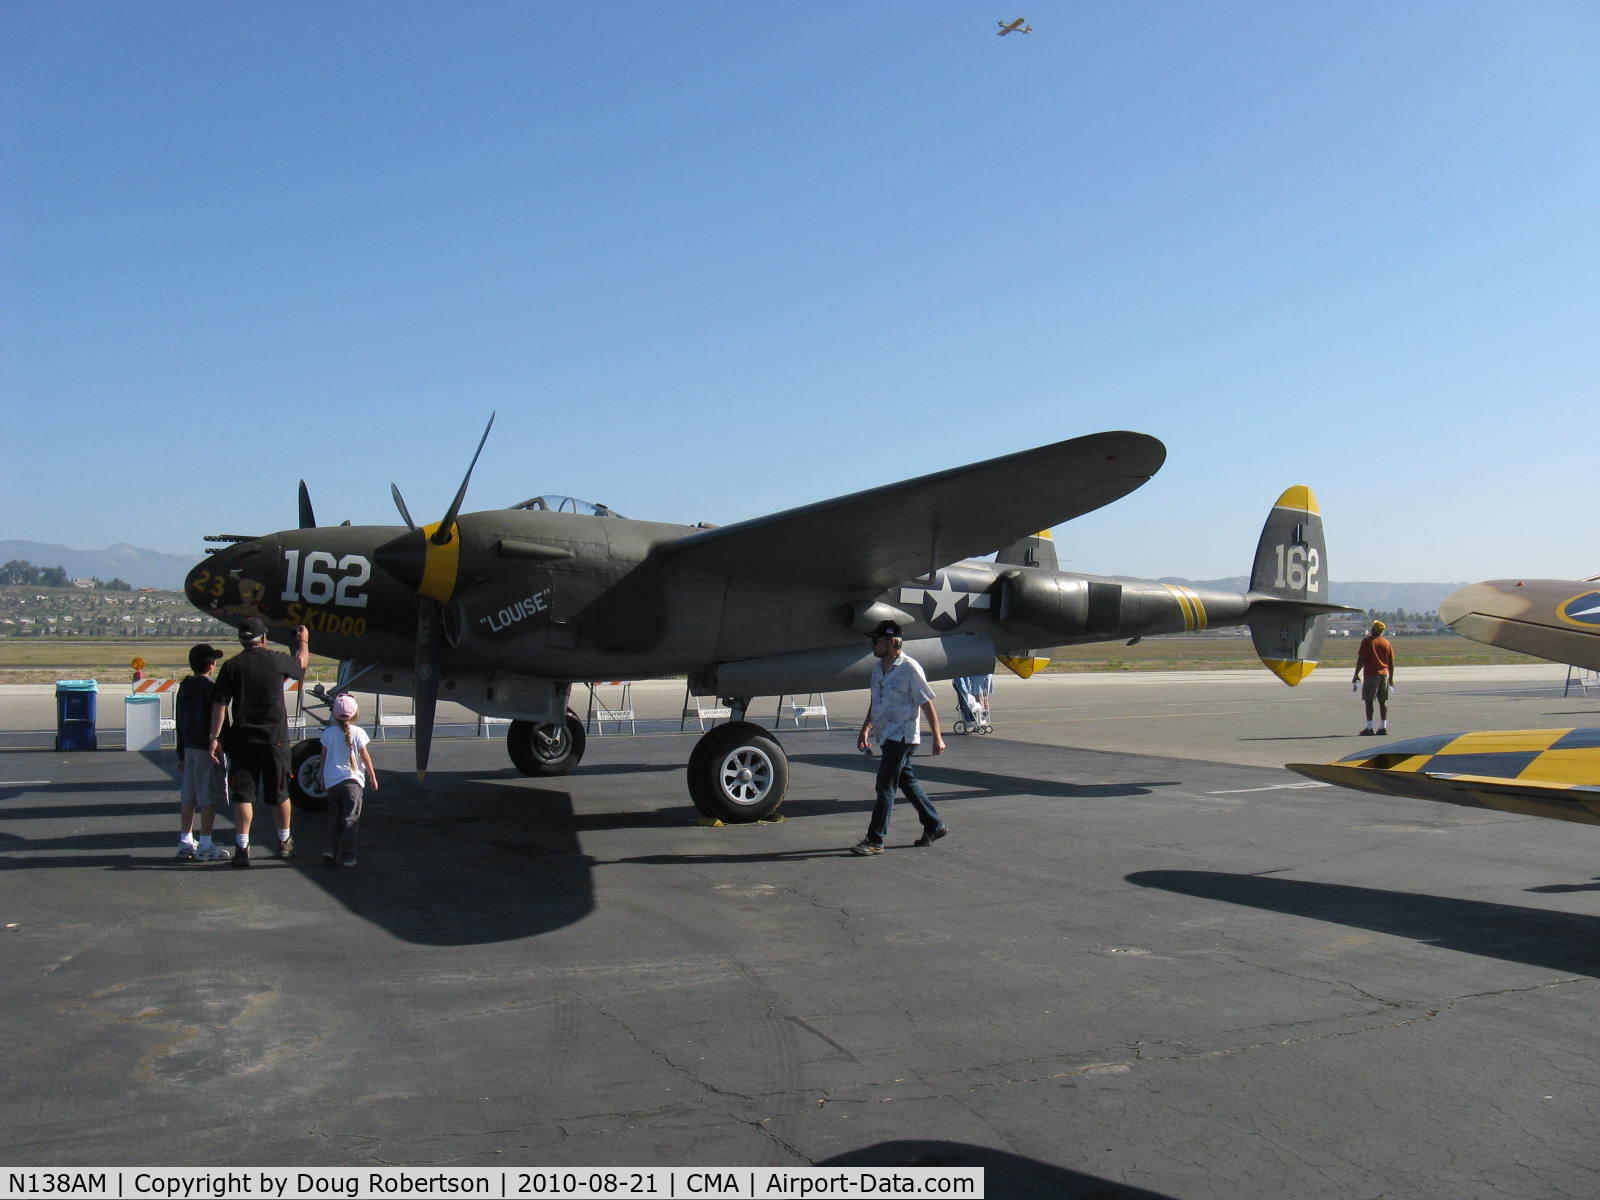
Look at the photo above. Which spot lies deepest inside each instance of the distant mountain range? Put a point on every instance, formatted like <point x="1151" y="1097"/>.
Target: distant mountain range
<point x="148" y="568"/>
<point x="139" y="567"/>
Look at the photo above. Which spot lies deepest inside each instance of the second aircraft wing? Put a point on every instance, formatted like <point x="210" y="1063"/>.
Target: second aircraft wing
<point x="1557" y="619"/>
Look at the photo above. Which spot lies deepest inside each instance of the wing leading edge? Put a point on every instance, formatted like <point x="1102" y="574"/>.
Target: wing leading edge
<point x="1556" y="619"/>
<point x="886" y="535"/>
<point x="1551" y="773"/>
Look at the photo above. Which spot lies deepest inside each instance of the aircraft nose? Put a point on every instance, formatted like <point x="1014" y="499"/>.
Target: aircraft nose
<point x="233" y="580"/>
<point x="405" y="558"/>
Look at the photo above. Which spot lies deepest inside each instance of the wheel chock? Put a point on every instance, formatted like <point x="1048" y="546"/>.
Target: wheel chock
<point x="708" y="822"/>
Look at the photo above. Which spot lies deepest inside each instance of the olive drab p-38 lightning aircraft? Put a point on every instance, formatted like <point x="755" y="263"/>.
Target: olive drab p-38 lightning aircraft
<point x="502" y="611"/>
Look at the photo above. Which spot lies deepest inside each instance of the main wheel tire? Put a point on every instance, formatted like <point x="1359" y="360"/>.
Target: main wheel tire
<point x="305" y="777"/>
<point x="738" y="773"/>
<point x="552" y="749"/>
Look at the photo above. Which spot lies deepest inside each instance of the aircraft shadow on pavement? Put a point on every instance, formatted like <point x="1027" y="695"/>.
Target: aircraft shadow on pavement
<point x="1004" y="1173"/>
<point x="975" y="784"/>
<point x="1556" y="941"/>
<point x="458" y="860"/>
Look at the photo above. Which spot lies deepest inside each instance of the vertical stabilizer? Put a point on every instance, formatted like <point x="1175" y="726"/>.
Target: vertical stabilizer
<point x="1039" y="550"/>
<point x="1289" y="587"/>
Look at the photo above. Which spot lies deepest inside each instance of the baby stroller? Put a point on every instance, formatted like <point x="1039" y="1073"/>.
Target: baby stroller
<point x="969" y="703"/>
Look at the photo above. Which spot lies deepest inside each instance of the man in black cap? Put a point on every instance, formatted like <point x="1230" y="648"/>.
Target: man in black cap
<point x="258" y="743"/>
<point x="202" y="783"/>
<point x="900" y="698"/>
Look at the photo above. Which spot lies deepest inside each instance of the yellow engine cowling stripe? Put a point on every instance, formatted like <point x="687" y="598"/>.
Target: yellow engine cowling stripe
<point x="1183" y="606"/>
<point x="440" y="566"/>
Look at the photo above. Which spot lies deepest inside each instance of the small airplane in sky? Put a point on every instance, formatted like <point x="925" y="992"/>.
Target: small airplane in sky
<point x="503" y="611"/>
<point x="1017" y="26"/>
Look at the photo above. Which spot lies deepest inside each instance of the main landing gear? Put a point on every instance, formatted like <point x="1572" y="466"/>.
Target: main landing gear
<point x="737" y="772"/>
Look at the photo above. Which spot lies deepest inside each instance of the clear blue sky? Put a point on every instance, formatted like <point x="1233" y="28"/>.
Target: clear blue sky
<point x="711" y="260"/>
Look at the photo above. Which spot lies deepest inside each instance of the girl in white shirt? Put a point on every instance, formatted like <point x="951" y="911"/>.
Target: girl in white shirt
<point x="347" y="771"/>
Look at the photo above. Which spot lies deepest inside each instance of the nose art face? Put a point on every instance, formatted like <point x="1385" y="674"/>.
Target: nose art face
<point x="231" y="581"/>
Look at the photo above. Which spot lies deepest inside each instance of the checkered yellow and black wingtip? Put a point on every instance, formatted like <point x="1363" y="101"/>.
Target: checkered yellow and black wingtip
<point x="1552" y="773"/>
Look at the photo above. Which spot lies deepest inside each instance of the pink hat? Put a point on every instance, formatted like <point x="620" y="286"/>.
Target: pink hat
<point x="344" y="705"/>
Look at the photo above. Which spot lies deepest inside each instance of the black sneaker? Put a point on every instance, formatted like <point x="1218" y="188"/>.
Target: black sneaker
<point x="347" y="860"/>
<point x="865" y="847"/>
<point x="328" y="859"/>
<point x="286" y="847"/>
<point x="241" y="856"/>
<point x="930" y="836"/>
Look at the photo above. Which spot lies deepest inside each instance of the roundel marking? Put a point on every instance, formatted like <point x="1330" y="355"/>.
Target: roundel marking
<point x="1582" y="611"/>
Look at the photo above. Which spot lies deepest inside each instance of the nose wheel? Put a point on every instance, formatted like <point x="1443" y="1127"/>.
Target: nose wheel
<point x="305" y="777"/>
<point x="546" y="749"/>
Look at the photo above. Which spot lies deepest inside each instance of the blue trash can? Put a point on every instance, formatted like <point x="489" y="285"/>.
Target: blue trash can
<point x="76" y="703"/>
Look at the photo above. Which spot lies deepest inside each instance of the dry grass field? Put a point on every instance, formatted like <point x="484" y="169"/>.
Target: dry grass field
<point x="1226" y="653"/>
<point x="42" y="660"/>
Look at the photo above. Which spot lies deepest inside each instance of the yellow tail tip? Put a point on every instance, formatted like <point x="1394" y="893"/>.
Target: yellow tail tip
<point x="1291" y="670"/>
<point x="1299" y="497"/>
<point x="1023" y="668"/>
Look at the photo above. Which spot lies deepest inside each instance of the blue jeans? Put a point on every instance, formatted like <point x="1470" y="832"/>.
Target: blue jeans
<point x="894" y="771"/>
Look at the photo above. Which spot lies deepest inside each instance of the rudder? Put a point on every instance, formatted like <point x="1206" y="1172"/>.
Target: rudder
<point x="1289" y="587"/>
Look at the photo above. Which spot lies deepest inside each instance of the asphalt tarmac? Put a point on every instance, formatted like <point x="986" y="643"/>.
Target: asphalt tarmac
<point x="1148" y="961"/>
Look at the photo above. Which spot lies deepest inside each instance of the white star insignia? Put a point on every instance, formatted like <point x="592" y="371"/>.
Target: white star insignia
<point x="944" y="599"/>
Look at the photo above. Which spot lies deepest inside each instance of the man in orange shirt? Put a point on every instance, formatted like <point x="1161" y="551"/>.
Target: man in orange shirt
<point x="1375" y="660"/>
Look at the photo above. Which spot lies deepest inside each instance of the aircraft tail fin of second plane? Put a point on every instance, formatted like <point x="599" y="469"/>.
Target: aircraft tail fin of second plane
<point x="1289" y="588"/>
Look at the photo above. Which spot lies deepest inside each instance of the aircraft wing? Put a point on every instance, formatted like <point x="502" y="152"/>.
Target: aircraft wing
<point x="1559" y="801"/>
<point x="886" y="535"/>
<point x="1551" y="773"/>
<point x="1557" y="619"/>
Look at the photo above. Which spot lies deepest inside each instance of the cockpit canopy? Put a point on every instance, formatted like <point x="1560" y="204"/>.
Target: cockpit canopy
<point x="566" y="504"/>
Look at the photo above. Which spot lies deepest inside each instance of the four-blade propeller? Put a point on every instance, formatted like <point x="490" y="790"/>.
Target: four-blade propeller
<point x="428" y="561"/>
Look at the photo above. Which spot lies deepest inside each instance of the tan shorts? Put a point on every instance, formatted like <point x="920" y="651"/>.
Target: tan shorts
<point x="203" y="782"/>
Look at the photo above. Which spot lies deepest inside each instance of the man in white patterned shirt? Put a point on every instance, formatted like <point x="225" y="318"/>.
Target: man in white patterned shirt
<point x="900" y="698"/>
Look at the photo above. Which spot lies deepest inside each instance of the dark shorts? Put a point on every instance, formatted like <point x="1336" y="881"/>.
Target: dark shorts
<point x="259" y="771"/>
<point x="1375" y="687"/>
